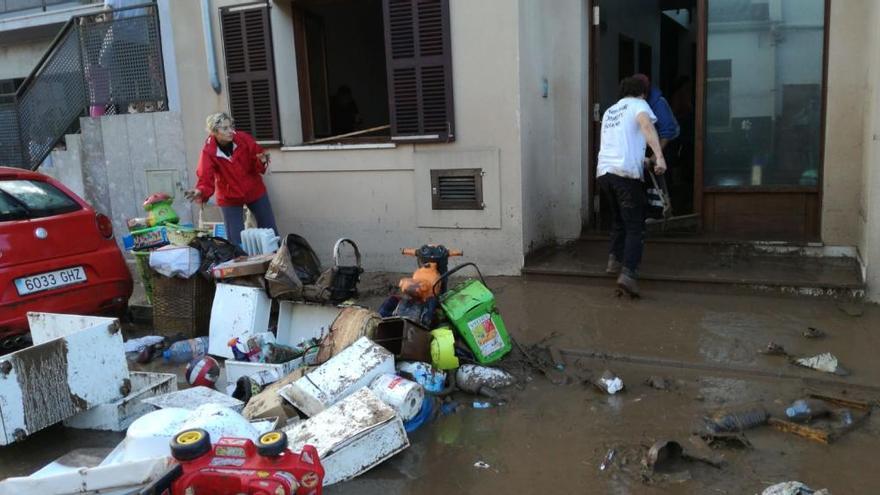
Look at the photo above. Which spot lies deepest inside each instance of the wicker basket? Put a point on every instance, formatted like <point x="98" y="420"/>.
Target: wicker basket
<point x="182" y="305"/>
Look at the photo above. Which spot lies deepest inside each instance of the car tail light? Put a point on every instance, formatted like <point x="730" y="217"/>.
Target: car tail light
<point x="105" y="226"/>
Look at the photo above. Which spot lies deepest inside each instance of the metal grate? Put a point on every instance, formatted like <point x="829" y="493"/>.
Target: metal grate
<point x="10" y="144"/>
<point x="110" y="61"/>
<point x="457" y="189"/>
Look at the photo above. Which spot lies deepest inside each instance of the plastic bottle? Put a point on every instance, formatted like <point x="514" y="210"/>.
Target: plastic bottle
<point x="187" y="350"/>
<point x="803" y="410"/>
<point x="736" y="421"/>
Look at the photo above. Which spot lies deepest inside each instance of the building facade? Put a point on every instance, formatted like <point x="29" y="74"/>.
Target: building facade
<point x="473" y="124"/>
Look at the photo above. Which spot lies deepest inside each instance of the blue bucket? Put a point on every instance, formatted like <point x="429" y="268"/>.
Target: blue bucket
<point x="422" y="417"/>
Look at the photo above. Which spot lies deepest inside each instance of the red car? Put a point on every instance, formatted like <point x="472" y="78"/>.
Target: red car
<point x="57" y="254"/>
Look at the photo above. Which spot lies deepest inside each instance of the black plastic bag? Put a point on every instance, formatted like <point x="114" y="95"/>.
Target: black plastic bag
<point x="214" y="250"/>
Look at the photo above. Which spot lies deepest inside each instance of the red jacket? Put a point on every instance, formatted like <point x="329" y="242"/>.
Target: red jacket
<point x="237" y="180"/>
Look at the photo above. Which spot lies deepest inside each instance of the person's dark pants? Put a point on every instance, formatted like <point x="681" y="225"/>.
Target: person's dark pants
<point x="626" y="198"/>
<point x="233" y="217"/>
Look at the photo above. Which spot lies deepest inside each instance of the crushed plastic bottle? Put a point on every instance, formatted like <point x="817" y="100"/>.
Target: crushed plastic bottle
<point x="803" y="410"/>
<point x="726" y="422"/>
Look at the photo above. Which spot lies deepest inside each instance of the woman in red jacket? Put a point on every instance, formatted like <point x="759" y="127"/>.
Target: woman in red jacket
<point x="231" y="165"/>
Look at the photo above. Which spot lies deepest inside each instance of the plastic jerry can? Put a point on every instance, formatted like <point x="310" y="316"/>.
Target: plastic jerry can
<point x="470" y="307"/>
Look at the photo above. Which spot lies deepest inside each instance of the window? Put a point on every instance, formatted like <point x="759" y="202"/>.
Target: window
<point x="764" y="78"/>
<point x="718" y="93"/>
<point x="374" y="70"/>
<point x="25" y="199"/>
<point x="457" y="189"/>
<point x="250" y="72"/>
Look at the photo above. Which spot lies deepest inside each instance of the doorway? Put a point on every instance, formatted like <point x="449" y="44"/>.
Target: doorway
<point x="746" y="80"/>
<point x="658" y="39"/>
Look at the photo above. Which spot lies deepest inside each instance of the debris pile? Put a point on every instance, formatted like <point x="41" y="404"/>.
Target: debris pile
<point x="323" y="373"/>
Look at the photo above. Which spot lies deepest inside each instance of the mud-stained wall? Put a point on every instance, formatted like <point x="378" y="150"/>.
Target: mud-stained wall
<point x="19" y="59"/>
<point x="848" y="87"/>
<point x="380" y="197"/>
<point x="553" y="52"/>
<point x="869" y="212"/>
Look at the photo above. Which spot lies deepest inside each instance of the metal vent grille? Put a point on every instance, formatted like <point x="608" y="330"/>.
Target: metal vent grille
<point x="457" y="189"/>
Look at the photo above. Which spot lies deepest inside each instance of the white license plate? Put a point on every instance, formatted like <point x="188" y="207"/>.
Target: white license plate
<point x="50" y="280"/>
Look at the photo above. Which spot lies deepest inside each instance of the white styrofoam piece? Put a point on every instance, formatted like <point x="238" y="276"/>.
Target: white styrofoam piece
<point x="237" y="311"/>
<point x="151" y="434"/>
<point x="50" y="326"/>
<point x="54" y="380"/>
<point x="116" y="478"/>
<point x="119" y="414"/>
<point x="352" y="436"/>
<point x="300" y="321"/>
<point x="194" y="397"/>
<point x="271" y="373"/>
<point x="345" y="373"/>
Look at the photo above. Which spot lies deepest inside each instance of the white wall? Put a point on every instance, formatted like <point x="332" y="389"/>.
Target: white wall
<point x="845" y="206"/>
<point x="554" y="128"/>
<point x="18" y="60"/>
<point x="869" y="245"/>
<point x="378" y="196"/>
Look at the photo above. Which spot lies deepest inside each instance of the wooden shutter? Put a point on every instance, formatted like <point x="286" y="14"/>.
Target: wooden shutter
<point x="250" y="70"/>
<point x="419" y="60"/>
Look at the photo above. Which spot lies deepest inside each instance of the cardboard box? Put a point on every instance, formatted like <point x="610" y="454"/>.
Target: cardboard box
<point x="268" y="403"/>
<point x="243" y="267"/>
<point x="349" y="371"/>
<point x="146" y="238"/>
<point x="407" y="340"/>
<point x="351" y="437"/>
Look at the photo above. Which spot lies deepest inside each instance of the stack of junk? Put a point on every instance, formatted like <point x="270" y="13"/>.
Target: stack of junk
<point x="286" y="374"/>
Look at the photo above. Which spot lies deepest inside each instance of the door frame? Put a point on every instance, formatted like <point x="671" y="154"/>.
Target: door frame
<point x="595" y="110"/>
<point x="700" y="191"/>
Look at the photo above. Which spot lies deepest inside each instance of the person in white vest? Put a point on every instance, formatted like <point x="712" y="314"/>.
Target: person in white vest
<point x="627" y="128"/>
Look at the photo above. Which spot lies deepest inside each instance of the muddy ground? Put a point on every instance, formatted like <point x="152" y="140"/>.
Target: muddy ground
<point x="552" y="438"/>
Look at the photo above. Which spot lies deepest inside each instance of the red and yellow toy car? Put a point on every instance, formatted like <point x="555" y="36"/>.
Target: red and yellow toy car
<point x="239" y="466"/>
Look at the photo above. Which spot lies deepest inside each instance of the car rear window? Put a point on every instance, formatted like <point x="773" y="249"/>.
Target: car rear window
<point x="26" y="199"/>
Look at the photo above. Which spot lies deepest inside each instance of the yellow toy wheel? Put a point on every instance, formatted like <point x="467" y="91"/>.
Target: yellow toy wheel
<point x="190" y="444"/>
<point x="272" y="444"/>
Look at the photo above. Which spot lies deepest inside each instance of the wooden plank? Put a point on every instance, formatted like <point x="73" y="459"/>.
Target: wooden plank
<point x="700" y="104"/>
<point x="808" y="432"/>
<point x="840" y="401"/>
<point x="350" y="134"/>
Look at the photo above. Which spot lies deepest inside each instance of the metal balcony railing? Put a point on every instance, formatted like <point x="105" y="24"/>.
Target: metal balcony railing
<point x="99" y="63"/>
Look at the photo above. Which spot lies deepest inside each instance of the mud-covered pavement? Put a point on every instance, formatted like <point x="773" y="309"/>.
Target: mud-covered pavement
<point x="553" y="438"/>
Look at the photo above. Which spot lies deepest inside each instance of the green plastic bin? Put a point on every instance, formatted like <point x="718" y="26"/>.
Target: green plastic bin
<point x="470" y="308"/>
<point x="142" y="266"/>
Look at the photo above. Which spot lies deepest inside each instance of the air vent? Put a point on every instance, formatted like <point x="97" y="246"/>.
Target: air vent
<point x="457" y="189"/>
